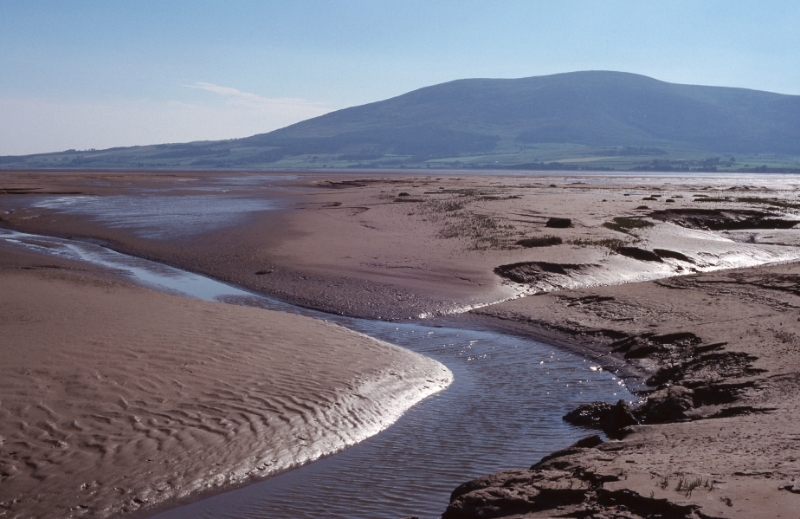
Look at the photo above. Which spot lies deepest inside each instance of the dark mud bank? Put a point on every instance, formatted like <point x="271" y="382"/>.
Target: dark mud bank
<point x="688" y="376"/>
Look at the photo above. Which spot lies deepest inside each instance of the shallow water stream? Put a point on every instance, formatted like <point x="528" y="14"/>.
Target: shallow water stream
<point x="503" y="410"/>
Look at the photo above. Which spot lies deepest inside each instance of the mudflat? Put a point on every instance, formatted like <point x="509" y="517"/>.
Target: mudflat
<point x="402" y="246"/>
<point x="686" y="285"/>
<point x="716" y="436"/>
<point x="116" y="399"/>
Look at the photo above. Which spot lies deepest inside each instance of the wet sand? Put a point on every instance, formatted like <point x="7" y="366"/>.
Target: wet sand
<point x="401" y="246"/>
<point x="721" y="392"/>
<point x="115" y="399"/>
<point x="720" y="354"/>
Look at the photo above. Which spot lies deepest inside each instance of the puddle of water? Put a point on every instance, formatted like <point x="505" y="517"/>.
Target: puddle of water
<point x="229" y="183"/>
<point x="161" y="216"/>
<point x="502" y="411"/>
<point x="254" y="180"/>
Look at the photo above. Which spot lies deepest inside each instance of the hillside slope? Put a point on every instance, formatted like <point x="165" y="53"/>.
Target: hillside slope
<point x="545" y="118"/>
<point x="592" y="108"/>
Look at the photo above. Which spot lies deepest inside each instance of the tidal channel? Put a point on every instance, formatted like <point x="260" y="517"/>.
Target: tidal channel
<point x="503" y="410"/>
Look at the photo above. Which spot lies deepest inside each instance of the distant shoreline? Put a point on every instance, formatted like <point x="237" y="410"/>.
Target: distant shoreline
<point x="547" y="168"/>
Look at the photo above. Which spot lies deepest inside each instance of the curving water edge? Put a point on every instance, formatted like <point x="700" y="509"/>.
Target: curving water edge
<point x="503" y="410"/>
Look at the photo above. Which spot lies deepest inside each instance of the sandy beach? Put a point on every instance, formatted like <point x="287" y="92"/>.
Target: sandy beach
<point x="686" y="285"/>
<point x="115" y="399"/>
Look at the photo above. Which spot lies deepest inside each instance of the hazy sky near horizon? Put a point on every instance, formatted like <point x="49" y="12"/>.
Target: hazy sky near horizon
<point x="96" y="74"/>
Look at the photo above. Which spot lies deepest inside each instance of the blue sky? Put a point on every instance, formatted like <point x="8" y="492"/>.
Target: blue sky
<point x="84" y="74"/>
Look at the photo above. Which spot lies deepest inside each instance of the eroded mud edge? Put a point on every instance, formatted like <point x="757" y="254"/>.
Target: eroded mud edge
<point x="689" y="373"/>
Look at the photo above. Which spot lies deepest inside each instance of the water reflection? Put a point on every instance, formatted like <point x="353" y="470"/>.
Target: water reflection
<point x="161" y="216"/>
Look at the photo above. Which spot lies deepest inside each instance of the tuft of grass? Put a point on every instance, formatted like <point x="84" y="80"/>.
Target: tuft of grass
<point x="437" y="210"/>
<point x="484" y="221"/>
<point x="462" y="192"/>
<point x="484" y="231"/>
<point x="625" y="224"/>
<point x="452" y="205"/>
<point x="457" y="221"/>
<point x="540" y="241"/>
<point x="451" y="231"/>
<point x="687" y="487"/>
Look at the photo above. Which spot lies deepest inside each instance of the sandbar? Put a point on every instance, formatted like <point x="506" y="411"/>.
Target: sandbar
<point x="116" y="399"/>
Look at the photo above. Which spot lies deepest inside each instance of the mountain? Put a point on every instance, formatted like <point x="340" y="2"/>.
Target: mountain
<point x="592" y="108"/>
<point x="512" y="122"/>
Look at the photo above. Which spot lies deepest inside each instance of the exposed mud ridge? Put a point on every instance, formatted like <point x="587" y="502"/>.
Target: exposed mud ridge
<point x="534" y="271"/>
<point x="364" y="182"/>
<point x="690" y="375"/>
<point x="34" y="191"/>
<point x="770" y="289"/>
<point x="716" y="354"/>
<point x="723" y="219"/>
<point x="639" y="254"/>
<point x="656" y="255"/>
<point x="560" y="484"/>
<point x="666" y="253"/>
<point x="786" y="283"/>
<point x="706" y="369"/>
<point x="18" y="190"/>
<point x="344" y="184"/>
<point x="612" y="419"/>
<point x="693" y="380"/>
<point x="408" y="199"/>
<point x="558" y="223"/>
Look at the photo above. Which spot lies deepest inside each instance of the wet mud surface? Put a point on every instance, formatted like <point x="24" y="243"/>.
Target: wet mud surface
<point x="486" y="420"/>
<point x="115" y="399"/>
<point x="657" y="293"/>
<point x="718" y="354"/>
<point x="724" y="219"/>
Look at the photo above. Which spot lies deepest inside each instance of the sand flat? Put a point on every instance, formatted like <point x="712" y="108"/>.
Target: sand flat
<point x="401" y="245"/>
<point x="115" y="398"/>
<point x="645" y="257"/>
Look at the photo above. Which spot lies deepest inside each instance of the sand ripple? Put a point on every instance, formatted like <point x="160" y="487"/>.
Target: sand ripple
<point x="115" y="398"/>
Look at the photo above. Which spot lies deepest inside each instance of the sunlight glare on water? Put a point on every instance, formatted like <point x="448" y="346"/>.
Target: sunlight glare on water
<point x="502" y="411"/>
<point x="161" y="216"/>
